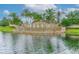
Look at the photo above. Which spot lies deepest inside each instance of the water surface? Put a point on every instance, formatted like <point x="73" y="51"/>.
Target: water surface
<point x="38" y="44"/>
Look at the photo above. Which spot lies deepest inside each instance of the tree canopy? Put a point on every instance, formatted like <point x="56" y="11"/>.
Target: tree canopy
<point x="72" y="18"/>
<point x="49" y="15"/>
<point x="15" y="19"/>
<point x="4" y="22"/>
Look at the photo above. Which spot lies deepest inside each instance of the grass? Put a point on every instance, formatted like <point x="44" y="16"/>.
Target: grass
<point x="6" y="28"/>
<point x="72" y="43"/>
<point x="73" y="31"/>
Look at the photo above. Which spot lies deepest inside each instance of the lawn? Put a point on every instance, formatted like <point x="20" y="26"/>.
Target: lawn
<point x="6" y="29"/>
<point x="73" y="31"/>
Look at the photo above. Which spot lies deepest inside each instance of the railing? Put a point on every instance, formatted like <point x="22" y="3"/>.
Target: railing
<point x="54" y="29"/>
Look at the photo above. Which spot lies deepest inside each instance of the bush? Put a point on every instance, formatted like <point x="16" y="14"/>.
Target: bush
<point x="66" y="22"/>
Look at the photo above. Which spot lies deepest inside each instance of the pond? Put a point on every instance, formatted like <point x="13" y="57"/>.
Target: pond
<point x="38" y="44"/>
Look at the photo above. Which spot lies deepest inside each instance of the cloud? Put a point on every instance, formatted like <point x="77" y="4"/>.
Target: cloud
<point x="6" y="12"/>
<point x="70" y="9"/>
<point x="39" y="7"/>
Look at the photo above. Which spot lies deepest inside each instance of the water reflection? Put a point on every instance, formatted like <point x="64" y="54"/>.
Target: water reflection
<point x="72" y="42"/>
<point x="20" y="43"/>
<point x="43" y="44"/>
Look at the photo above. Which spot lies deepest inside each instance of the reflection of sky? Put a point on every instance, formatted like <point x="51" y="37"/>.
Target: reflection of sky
<point x="7" y="8"/>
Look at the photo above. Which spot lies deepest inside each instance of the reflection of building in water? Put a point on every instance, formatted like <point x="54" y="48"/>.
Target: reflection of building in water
<point x="33" y="44"/>
<point x="42" y="44"/>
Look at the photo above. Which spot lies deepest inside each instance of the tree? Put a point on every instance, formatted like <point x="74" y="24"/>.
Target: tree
<point x="27" y="13"/>
<point x="72" y="18"/>
<point x="73" y="14"/>
<point x="15" y="19"/>
<point x="4" y="22"/>
<point x="66" y="22"/>
<point x="36" y="16"/>
<point x="49" y="15"/>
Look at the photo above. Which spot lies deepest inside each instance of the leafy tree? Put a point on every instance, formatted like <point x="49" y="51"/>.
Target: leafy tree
<point x="15" y="19"/>
<point x="26" y="13"/>
<point x="49" y="15"/>
<point x="4" y="22"/>
<point x="36" y="16"/>
<point x="66" y="22"/>
<point x="73" y="14"/>
<point x="72" y="18"/>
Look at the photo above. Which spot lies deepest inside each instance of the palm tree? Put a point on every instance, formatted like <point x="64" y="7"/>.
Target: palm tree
<point x="49" y="15"/>
<point x="73" y="14"/>
<point x="58" y="16"/>
<point x="73" y="17"/>
<point x="36" y="16"/>
<point x="60" y="13"/>
<point x="4" y="22"/>
<point x="15" y="19"/>
<point x="26" y="13"/>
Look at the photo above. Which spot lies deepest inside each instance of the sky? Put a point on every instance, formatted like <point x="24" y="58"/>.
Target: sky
<point x="63" y="6"/>
<point x="5" y="9"/>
